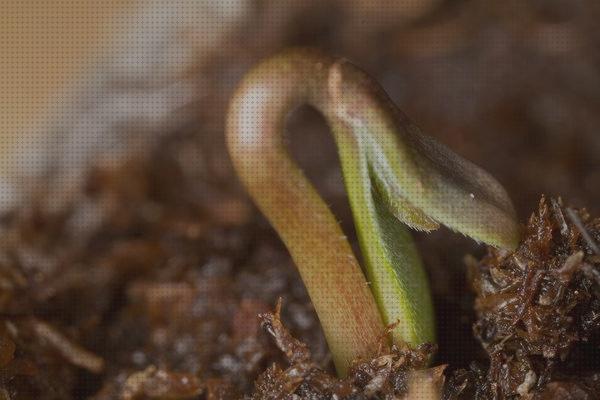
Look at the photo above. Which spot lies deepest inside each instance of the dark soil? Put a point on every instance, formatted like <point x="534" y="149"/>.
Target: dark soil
<point x="160" y="280"/>
<point x="152" y="284"/>
<point x="394" y="373"/>
<point x="149" y="284"/>
<point x="538" y="310"/>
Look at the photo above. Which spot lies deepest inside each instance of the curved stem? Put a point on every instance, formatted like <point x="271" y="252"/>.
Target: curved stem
<point x="329" y="269"/>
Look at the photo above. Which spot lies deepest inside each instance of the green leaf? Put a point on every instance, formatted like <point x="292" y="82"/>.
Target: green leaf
<point x="422" y="182"/>
<point x="421" y="177"/>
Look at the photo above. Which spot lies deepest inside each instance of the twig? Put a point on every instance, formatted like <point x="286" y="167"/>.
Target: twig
<point x="76" y="354"/>
<point x="586" y="236"/>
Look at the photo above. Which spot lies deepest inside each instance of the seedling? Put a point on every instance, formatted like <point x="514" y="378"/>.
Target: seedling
<point x="395" y="177"/>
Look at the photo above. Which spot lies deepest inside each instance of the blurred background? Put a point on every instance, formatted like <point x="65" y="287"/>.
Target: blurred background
<point x="511" y="85"/>
<point x="88" y="86"/>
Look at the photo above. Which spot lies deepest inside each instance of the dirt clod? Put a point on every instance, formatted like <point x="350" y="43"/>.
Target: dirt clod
<point x="399" y="373"/>
<point x="539" y="306"/>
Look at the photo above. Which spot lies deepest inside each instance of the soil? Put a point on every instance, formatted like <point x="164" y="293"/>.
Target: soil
<point x="152" y="274"/>
<point x="538" y="310"/>
<point x="150" y="283"/>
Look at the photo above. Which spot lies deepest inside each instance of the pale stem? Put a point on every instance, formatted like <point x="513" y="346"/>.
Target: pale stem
<point x="334" y="280"/>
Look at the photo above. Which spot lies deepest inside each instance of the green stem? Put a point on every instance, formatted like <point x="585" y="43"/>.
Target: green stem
<point x="396" y="275"/>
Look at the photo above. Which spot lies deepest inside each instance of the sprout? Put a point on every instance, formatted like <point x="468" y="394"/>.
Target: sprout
<point x="394" y="177"/>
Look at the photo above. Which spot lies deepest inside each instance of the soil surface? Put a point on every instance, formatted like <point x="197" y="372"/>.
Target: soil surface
<point x="150" y="283"/>
<point x="538" y="311"/>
